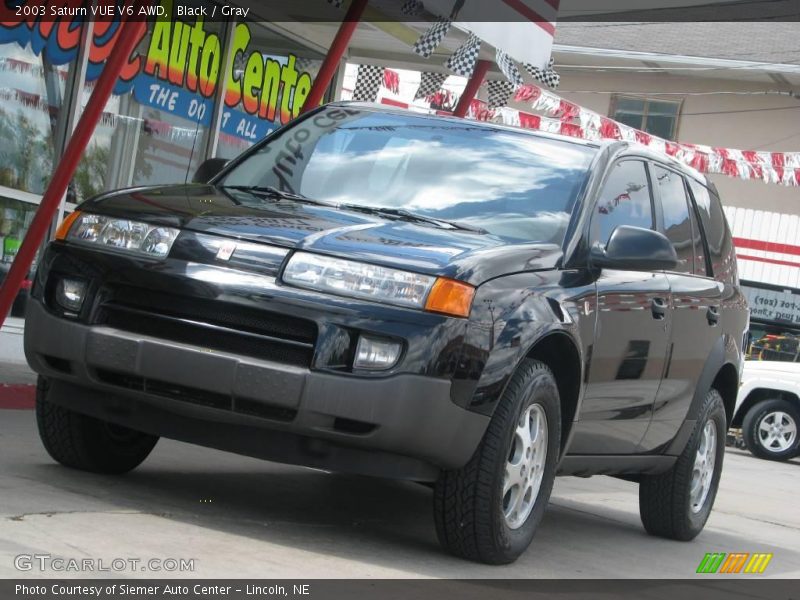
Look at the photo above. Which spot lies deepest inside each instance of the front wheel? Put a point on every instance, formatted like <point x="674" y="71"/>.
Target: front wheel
<point x="489" y="510"/>
<point x="82" y="442"/>
<point x="770" y="429"/>
<point x="676" y="504"/>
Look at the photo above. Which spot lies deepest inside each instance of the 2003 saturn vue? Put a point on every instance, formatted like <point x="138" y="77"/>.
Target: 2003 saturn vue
<point x="407" y="296"/>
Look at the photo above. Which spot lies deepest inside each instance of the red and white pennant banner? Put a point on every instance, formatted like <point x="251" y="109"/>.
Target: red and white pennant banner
<point x="567" y="118"/>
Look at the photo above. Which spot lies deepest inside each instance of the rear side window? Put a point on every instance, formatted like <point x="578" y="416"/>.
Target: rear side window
<point x="715" y="227"/>
<point x="625" y="200"/>
<point x="679" y="226"/>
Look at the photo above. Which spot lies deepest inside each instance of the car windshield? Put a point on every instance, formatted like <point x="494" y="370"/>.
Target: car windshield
<point x="516" y="186"/>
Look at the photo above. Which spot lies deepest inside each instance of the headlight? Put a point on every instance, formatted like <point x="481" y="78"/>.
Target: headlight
<point x="122" y="234"/>
<point x="380" y="284"/>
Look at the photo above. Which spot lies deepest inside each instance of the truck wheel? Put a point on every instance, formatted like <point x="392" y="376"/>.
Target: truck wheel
<point x="770" y="429"/>
<point x="86" y="443"/>
<point x="488" y="510"/>
<point x="676" y="504"/>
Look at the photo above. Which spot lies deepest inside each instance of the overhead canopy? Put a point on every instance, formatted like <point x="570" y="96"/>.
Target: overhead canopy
<point x="523" y="29"/>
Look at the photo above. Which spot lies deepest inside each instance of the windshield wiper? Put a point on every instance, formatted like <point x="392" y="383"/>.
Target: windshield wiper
<point x="273" y="192"/>
<point x="402" y="214"/>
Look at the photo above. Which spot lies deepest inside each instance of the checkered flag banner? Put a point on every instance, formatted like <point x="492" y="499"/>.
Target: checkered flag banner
<point x="412" y="8"/>
<point x="240" y="62"/>
<point x="429" y="84"/>
<point x="368" y="82"/>
<point x="547" y="76"/>
<point x="463" y="60"/>
<point x="509" y="68"/>
<point x="499" y="93"/>
<point x="336" y="3"/>
<point x="430" y="40"/>
<point x="304" y="65"/>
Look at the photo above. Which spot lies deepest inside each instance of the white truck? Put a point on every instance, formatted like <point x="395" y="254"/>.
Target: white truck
<point x="768" y="408"/>
<point x="768" y="404"/>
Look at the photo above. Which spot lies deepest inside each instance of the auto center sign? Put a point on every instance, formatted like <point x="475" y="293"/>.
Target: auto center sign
<point x="773" y="305"/>
<point x="180" y="69"/>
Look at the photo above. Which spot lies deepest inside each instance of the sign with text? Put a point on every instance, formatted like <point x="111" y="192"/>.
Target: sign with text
<point x="178" y="67"/>
<point x="773" y="305"/>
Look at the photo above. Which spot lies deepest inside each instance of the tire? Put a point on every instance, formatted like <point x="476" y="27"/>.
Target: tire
<point x="469" y="504"/>
<point x="667" y="505"/>
<point x="82" y="442"/>
<point x="760" y="424"/>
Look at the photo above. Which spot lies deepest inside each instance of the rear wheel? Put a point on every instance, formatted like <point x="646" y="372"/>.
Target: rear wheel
<point x="82" y="442"/>
<point x="770" y="429"/>
<point x="488" y="511"/>
<point x="676" y="504"/>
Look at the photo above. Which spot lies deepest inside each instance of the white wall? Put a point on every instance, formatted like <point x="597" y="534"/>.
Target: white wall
<point x="774" y="130"/>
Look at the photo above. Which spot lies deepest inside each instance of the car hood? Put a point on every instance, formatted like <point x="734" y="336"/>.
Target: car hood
<point x="760" y="367"/>
<point x="464" y="255"/>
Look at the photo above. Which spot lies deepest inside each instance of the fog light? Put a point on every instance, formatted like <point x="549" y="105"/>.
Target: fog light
<point x="70" y="294"/>
<point x="376" y="353"/>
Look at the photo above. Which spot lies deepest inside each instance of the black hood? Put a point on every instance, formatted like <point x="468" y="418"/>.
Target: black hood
<point x="465" y="255"/>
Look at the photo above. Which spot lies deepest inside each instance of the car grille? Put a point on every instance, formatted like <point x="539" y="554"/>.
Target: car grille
<point x="210" y="324"/>
<point x="195" y="396"/>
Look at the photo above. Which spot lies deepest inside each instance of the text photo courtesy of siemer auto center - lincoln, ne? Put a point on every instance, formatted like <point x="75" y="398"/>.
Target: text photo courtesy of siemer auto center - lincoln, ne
<point x="330" y="297"/>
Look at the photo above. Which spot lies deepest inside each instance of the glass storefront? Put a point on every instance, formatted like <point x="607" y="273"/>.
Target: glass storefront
<point x="15" y="218"/>
<point x="31" y="93"/>
<point x="193" y="90"/>
<point x="155" y="128"/>
<point x="202" y="90"/>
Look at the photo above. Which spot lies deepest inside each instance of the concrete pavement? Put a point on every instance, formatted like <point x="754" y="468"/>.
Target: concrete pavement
<point x="240" y="517"/>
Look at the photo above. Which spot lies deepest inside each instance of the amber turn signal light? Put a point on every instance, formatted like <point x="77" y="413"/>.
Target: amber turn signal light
<point x="450" y="297"/>
<point x="63" y="229"/>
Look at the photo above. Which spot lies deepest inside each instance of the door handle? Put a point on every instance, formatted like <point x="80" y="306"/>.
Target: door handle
<point x="659" y="308"/>
<point x="712" y="314"/>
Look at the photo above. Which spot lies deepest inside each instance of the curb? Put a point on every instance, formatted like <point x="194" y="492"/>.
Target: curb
<point x="14" y="396"/>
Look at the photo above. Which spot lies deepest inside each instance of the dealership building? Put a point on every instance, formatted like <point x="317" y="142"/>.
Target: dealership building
<point x="202" y="88"/>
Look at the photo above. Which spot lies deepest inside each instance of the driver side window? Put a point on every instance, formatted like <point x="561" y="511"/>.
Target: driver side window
<point x="625" y="200"/>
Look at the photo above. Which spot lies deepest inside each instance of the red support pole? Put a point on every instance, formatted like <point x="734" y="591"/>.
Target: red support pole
<point x="474" y="83"/>
<point x="335" y="53"/>
<point x="129" y="36"/>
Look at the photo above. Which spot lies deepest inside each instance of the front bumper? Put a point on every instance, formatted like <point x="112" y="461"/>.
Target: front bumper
<point x="404" y="426"/>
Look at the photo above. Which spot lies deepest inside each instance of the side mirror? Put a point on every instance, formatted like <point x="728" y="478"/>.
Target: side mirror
<point x="635" y="249"/>
<point x="209" y="169"/>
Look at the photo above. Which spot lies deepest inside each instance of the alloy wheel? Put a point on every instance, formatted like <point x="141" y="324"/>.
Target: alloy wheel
<point x="704" y="461"/>
<point x="525" y="466"/>
<point x="777" y="431"/>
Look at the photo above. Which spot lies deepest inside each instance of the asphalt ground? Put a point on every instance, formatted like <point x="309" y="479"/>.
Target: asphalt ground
<point x="241" y="517"/>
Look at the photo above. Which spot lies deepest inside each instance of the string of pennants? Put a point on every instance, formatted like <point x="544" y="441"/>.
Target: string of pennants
<point x="567" y="118"/>
<point x="462" y="62"/>
<point x="23" y="67"/>
<point x="27" y="99"/>
<point x="562" y="116"/>
<point x="371" y="78"/>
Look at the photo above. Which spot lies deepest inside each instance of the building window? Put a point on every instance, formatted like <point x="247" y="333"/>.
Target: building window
<point x="15" y="218"/>
<point x="31" y="95"/>
<point x="657" y="117"/>
<point x="155" y="126"/>
<point x="192" y="89"/>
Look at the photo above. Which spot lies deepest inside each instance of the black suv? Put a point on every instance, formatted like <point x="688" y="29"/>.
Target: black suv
<point x="385" y="293"/>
